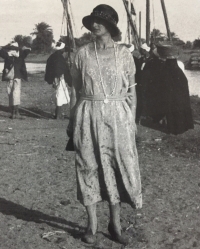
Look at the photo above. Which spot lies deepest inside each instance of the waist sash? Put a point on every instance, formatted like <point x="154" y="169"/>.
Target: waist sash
<point x="102" y="98"/>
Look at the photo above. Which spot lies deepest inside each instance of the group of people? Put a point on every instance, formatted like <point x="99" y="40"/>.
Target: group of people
<point x="162" y="88"/>
<point x="103" y="103"/>
<point x="57" y="74"/>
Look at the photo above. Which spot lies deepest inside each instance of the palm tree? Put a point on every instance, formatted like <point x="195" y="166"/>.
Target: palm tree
<point x="157" y="35"/>
<point x="44" y="37"/>
<point x="23" y="40"/>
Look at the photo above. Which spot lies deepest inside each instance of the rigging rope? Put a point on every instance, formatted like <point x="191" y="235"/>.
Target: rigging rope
<point x="62" y="24"/>
<point x="126" y="36"/>
<point x="72" y="16"/>
<point x="154" y="38"/>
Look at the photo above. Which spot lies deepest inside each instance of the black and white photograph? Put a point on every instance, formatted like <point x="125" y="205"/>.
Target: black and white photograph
<point x="99" y="124"/>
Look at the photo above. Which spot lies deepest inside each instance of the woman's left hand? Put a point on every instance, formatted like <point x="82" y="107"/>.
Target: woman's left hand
<point x="129" y="99"/>
<point x="70" y="129"/>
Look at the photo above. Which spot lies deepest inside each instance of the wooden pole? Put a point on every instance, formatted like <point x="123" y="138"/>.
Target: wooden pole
<point x="128" y="25"/>
<point x="133" y="26"/>
<point x="166" y="20"/>
<point x="140" y="28"/>
<point x="148" y="22"/>
<point x="70" y="26"/>
<point x="68" y="22"/>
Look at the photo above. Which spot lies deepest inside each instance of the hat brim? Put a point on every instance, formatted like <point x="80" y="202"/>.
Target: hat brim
<point x="167" y="51"/>
<point x="87" y="21"/>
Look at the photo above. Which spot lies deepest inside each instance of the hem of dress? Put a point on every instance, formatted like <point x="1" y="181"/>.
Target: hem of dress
<point x="133" y="205"/>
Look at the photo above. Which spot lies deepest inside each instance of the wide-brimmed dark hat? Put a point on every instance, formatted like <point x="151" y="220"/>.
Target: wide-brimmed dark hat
<point x="167" y="51"/>
<point x="106" y="13"/>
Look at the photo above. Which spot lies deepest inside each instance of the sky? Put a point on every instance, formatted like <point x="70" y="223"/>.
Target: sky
<point x="18" y="17"/>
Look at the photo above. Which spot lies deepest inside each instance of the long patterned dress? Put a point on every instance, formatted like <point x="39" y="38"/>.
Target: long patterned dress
<point x="104" y="133"/>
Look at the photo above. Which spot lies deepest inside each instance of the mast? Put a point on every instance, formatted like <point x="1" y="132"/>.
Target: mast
<point x="166" y="20"/>
<point x="68" y="23"/>
<point x="140" y="28"/>
<point x="128" y="23"/>
<point x="148" y="22"/>
<point x="132" y="25"/>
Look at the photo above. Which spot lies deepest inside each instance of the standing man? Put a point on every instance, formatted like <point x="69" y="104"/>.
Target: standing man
<point x="57" y="74"/>
<point x="14" y="70"/>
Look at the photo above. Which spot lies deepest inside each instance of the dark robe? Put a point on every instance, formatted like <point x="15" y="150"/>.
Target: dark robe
<point x="155" y="89"/>
<point x="179" y="113"/>
<point x="138" y="65"/>
<point x="57" y="66"/>
<point x="20" y="71"/>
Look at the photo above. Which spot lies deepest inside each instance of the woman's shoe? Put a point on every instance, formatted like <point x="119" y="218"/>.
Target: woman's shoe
<point x="89" y="237"/>
<point x="116" y="236"/>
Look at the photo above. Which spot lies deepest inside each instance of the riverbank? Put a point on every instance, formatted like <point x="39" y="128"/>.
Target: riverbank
<point x="35" y="58"/>
<point x="42" y="58"/>
<point x="38" y="206"/>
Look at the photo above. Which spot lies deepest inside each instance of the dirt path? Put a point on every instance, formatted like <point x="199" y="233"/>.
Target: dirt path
<point x="38" y="184"/>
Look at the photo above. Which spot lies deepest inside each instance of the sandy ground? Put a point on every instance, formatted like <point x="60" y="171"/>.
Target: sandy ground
<point x="38" y="206"/>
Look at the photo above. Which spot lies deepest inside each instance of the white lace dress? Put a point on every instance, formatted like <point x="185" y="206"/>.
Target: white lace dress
<point x="104" y="134"/>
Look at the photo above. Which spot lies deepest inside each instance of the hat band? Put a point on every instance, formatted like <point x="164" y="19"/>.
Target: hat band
<point x="104" y="16"/>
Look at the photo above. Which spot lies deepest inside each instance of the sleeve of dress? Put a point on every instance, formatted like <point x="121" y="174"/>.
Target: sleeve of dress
<point x="131" y="69"/>
<point x="131" y="94"/>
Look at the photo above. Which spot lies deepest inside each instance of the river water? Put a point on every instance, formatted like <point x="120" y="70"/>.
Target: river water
<point x="31" y="67"/>
<point x="193" y="76"/>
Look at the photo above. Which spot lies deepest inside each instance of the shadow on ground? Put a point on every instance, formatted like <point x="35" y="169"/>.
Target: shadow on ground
<point x="29" y="112"/>
<point x="22" y="213"/>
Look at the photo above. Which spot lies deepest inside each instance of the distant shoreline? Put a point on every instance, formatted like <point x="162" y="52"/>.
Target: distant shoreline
<point x="35" y="58"/>
<point x="42" y="58"/>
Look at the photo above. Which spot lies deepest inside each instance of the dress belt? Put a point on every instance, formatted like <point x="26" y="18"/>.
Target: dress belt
<point x="102" y="98"/>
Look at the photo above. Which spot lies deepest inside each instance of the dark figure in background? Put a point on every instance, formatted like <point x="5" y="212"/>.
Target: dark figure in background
<point x="154" y="88"/>
<point x="140" y="59"/>
<point x="57" y="74"/>
<point x="179" y="113"/>
<point x="166" y="90"/>
<point x="152" y="48"/>
<point x="144" y="51"/>
<point x="14" y="58"/>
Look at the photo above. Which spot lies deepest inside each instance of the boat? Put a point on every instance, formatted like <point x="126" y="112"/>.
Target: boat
<point x="134" y="36"/>
<point x="133" y="29"/>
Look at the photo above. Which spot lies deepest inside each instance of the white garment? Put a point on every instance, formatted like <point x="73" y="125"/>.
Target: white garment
<point x="13" y="53"/>
<point x="145" y="47"/>
<point x="62" y="94"/>
<point x="143" y="64"/>
<point x="181" y="65"/>
<point x="14" y="92"/>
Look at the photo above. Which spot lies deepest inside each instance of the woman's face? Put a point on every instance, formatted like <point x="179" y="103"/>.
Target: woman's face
<point x="99" y="27"/>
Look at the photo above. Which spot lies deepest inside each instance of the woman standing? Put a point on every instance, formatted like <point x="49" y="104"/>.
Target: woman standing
<point x="103" y="104"/>
<point x="154" y="88"/>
